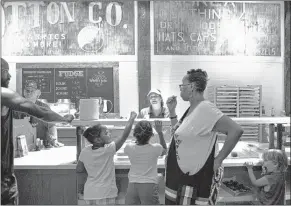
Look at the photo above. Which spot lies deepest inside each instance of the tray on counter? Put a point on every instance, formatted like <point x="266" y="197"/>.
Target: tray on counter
<point x="246" y="190"/>
<point x="246" y="150"/>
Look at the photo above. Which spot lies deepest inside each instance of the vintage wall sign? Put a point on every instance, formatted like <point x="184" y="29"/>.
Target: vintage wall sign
<point x="217" y="28"/>
<point x="36" y="28"/>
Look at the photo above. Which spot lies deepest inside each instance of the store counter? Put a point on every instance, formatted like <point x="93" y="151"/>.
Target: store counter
<point x="49" y="176"/>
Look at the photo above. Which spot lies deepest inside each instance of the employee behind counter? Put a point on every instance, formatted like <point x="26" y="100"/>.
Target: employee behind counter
<point x="156" y="108"/>
<point x="44" y="131"/>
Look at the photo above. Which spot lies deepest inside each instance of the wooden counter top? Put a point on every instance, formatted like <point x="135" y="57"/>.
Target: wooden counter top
<point x="64" y="158"/>
<point x="54" y="158"/>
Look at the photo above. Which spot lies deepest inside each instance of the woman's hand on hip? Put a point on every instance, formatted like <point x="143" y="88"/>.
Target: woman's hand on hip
<point x="217" y="164"/>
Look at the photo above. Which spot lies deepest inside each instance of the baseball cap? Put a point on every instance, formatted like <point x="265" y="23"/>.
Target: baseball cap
<point x="156" y="91"/>
<point x="31" y="85"/>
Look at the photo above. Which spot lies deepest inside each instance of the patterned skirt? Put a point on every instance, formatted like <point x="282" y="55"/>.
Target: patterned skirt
<point x="183" y="189"/>
<point x="105" y="201"/>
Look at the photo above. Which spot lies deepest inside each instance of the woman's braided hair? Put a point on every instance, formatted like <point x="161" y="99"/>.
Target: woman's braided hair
<point x="199" y="77"/>
<point x="143" y="131"/>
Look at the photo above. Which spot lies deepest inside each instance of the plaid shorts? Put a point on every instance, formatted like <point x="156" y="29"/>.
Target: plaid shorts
<point x="105" y="201"/>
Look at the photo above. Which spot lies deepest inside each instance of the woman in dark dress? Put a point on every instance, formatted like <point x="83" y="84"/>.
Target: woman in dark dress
<point x="193" y="173"/>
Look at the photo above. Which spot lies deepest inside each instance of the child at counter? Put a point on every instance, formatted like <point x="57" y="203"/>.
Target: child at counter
<point x="143" y="176"/>
<point x="98" y="161"/>
<point x="271" y="186"/>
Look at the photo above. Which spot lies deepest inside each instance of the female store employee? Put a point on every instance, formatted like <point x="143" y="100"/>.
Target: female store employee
<point x="156" y="108"/>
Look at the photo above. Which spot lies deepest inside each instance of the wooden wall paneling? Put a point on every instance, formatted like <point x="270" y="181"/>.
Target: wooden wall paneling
<point x="47" y="186"/>
<point x="144" y="52"/>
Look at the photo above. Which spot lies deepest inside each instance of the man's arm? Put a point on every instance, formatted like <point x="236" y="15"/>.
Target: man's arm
<point x="16" y="102"/>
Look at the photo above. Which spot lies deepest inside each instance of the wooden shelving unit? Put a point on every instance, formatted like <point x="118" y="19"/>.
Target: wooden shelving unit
<point x="239" y="101"/>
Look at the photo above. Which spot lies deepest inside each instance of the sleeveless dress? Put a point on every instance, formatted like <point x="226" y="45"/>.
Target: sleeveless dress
<point x="200" y="188"/>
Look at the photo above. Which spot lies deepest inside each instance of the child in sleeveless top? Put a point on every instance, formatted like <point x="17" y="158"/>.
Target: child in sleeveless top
<point x="143" y="175"/>
<point x="271" y="186"/>
<point x="97" y="160"/>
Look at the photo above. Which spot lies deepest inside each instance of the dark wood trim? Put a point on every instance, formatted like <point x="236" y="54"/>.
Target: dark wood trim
<point x="287" y="59"/>
<point x="144" y="52"/>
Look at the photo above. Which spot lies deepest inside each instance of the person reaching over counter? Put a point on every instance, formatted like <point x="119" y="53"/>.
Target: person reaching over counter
<point x="143" y="188"/>
<point x="156" y="108"/>
<point x="97" y="159"/>
<point x="191" y="164"/>
<point x="271" y="186"/>
<point x="12" y="101"/>
<point x="44" y="130"/>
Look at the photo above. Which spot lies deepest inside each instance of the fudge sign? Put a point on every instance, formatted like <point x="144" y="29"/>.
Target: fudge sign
<point x="71" y="73"/>
<point x="67" y="28"/>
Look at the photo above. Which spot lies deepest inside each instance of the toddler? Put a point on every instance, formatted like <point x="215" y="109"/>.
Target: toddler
<point x="143" y="156"/>
<point x="98" y="161"/>
<point x="271" y="186"/>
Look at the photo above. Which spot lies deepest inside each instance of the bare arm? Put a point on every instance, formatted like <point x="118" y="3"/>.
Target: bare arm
<point x="163" y="142"/>
<point x="16" y="102"/>
<point x="159" y="129"/>
<point x="257" y="182"/>
<point x="171" y="104"/>
<point x="80" y="167"/>
<point x="233" y="131"/>
<point x="175" y="120"/>
<point x="120" y="141"/>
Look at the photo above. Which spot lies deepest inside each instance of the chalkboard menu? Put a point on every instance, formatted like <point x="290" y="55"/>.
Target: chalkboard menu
<point x="44" y="79"/>
<point x="99" y="83"/>
<point x="217" y="28"/>
<point x="56" y="28"/>
<point x="72" y="83"/>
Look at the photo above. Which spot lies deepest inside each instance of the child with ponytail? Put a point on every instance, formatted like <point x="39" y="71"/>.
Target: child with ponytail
<point x="143" y="175"/>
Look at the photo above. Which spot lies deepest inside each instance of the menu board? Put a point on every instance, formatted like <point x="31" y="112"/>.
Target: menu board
<point x="100" y="84"/>
<point x="73" y="83"/>
<point x="217" y="28"/>
<point x="70" y="84"/>
<point x="45" y="80"/>
<point x="64" y="28"/>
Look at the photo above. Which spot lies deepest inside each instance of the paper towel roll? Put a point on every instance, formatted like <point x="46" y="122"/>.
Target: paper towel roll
<point x="89" y="109"/>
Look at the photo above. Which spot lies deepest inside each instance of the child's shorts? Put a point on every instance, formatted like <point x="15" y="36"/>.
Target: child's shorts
<point x="142" y="194"/>
<point x="105" y="201"/>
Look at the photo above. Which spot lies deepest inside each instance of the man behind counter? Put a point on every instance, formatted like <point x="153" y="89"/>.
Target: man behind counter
<point x="44" y="130"/>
